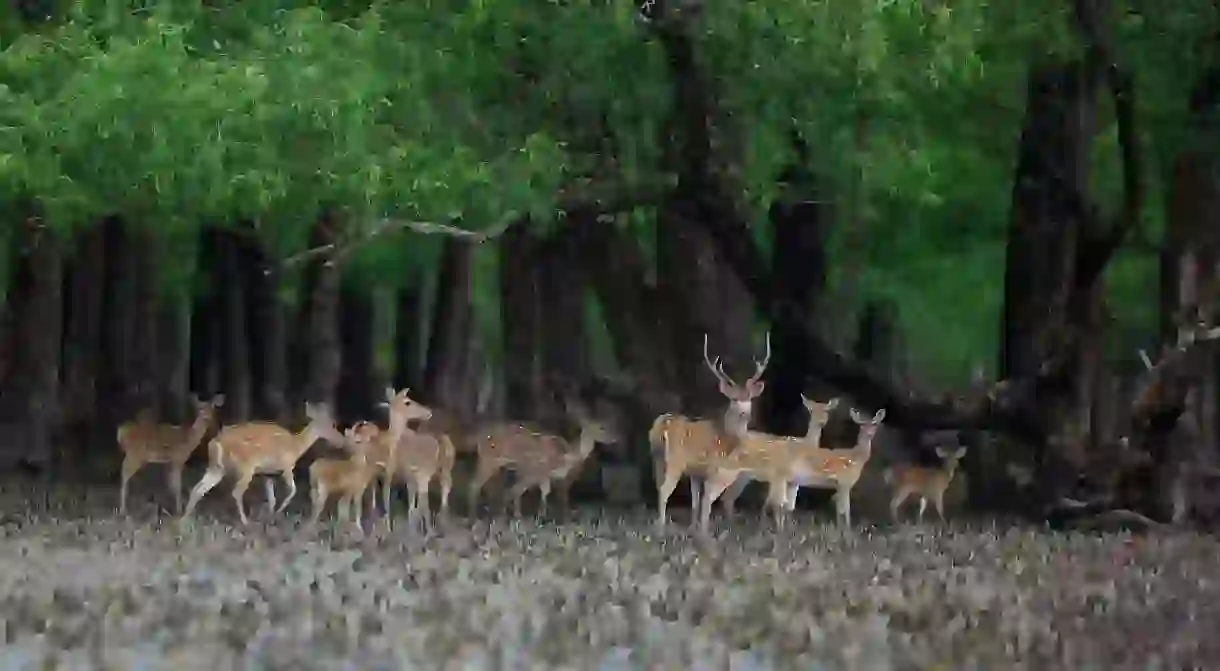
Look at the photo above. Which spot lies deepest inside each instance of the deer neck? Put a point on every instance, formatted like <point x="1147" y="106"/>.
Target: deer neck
<point x="195" y="431"/>
<point x="584" y="447"/>
<point x="813" y="435"/>
<point x="736" y="420"/>
<point x="864" y="444"/>
<point x="305" y="440"/>
<point x="950" y="469"/>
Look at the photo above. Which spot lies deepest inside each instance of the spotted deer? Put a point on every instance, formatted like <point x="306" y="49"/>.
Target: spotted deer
<point x="143" y="442"/>
<point x="836" y="469"/>
<point x="253" y="448"/>
<point x="819" y="416"/>
<point x="537" y="458"/>
<point x="685" y="446"/>
<point x="929" y="483"/>
<point x="402" y="410"/>
<point x="419" y="460"/>
<point x="372" y="455"/>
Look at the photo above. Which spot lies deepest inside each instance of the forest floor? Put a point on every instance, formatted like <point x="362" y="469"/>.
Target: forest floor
<point x="85" y="588"/>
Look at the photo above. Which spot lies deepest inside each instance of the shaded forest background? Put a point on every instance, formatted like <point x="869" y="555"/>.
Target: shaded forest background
<point x="489" y="201"/>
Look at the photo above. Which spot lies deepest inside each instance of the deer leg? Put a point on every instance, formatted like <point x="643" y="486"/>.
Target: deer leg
<point x="696" y="493"/>
<point x="790" y="501"/>
<point x="938" y="502"/>
<point x="713" y="487"/>
<point x="665" y="489"/>
<point x="728" y="500"/>
<point x="175" y="485"/>
<point x="483" y="472"/>
<point x="210" y="479"/>
<point x="446" y="478"/>
<point x="923" y="505"/>
<point x="386" y="482"/>
<point x="239" y="492"/>
<point x="899" y="497"/>
<point x="286" y="476"/>
<point x="269" y="490"/>
<point x="544" y="492"/>
<point x="423" y="504"/>
<point x="317" y="495"/>
<point x="131" y="466"/>
<point x="843" y="504"/>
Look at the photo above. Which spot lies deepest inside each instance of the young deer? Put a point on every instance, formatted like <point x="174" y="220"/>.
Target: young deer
<point x="402" y="409"/>
<point x="372" y="453"/>
<point x="819" y="416"/>
<point x="346" y="477"/>
<point x="253" y="448"/>
<point x="927" y="482"/>
<point x="836" y="469"/>
<point x="685" y="446"/>
<point x="765" y="457"/>
<point x="143" y="442"/>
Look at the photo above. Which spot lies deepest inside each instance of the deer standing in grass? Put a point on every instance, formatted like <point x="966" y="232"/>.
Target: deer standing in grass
<point x="685" y="446"/>
<point x="372" y="454"/>
<point x="928" y="482"/>
<point x="537" y="458"/>
<point x="254" y="448"/>
<point x="418" y="460"/>
<point x="402" y="410"/>
<point x="834" y="469"/>
<point x="143" y="442"/>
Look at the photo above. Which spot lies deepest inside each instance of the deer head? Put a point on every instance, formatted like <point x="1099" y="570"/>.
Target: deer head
<point x="868" y="427"/>
<point x="321" y="425"/>
<point x="819" y="414"/>
<point x="950" y="458"/>
<point x="205" y="411"/>
<point x="741" y="396"/>
<point x="403" y="409"/>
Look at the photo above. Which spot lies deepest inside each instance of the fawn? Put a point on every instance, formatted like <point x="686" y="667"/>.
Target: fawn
<point x="835" y="469"/>
<point x="253" y="448"/>
<point x="685" y="446"/>
<point x="537" y="458"/>
<point x="143" y="442"/>
<point x="927" y="482"/>
<point x="372" y="452"/>
<point x="765" y="457"/>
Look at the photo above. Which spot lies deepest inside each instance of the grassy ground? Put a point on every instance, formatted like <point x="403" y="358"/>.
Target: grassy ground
<point x="605" y="591"/>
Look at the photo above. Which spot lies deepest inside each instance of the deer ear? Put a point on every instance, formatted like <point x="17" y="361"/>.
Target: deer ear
<point x="756" y="388"/>
<point x="389" y="394"/>
<point x="218" y="400"/>
<point x="879" y="416"/>
<point x="832" y="403"/>
<point x="940" y="452"/>
<point x="961" y="452"/>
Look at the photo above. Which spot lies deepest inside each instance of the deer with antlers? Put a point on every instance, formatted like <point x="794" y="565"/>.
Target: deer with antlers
<point x="768" y="458"/>
<point x="372" y="455"/>
<point x="254" y="448"/>
<point x="143" y="442"/>
<point x="929" y="483"/>
<point x="537" y="458"/>
<point x="685" y="446"/>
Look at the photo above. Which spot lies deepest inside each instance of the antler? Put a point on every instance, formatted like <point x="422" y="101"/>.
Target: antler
<point x="761" y="367"/>
<point x="717" y="367"/>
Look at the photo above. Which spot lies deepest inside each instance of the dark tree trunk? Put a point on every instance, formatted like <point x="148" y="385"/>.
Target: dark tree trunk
<point x="356" y="383"/>
<point x="520" y="319"/>
<point x="266" y="316"/>
<point x="445" y="377"/>
<point x="37" y="307"/>
<point x="173" y="357"/>
<point x="233" y="349"/>
<point x="83" y="317"/>
<point x="205" y="306"/>
<point x="128" y="387"/>
<point x="561" y="319"/>
<point x="408" y="314"/>
<point x="1045" y="229"/>
<point x="800" y="221"/>
<point x="322" y="331"/>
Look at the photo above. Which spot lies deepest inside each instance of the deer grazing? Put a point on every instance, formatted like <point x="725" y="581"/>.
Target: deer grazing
<point x="768" y="458"/>
<point x="535" y="457"/>
<point x="254" y="448"/>
<point x="836" y="469"/>
<point x="143" y="442"/>
<point x="372" y="454"/>
<point x="927" y="482"/>
<point x="685" y="446"/>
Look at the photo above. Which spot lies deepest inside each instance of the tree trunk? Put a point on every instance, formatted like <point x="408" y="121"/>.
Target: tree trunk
<point x="800" y="222"/>
<point x="205" y="311"/>
<point x="356" y="382"/>
<point x="444" y="374"/>
<point x="174" y="350"/>
<point x="520" y="321"/>
<point x="86" y="282"/>
<point x="233" y="344"/>
<point x="1045" y="227"/>
<point x="408" y="313"/>
<point x="322" y="333"/>
<point x="266" y="315"/>
<point x="561" y="318"/>
<point x="37" y="305"/>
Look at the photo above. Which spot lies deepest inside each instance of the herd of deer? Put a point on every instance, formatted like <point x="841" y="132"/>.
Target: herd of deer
<point x="720" y="456"/>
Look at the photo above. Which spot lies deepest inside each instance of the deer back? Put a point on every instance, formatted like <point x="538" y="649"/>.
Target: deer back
<point x="258" y="445"/>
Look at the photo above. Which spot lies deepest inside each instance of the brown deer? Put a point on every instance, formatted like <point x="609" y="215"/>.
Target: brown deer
<point x="837" y="469"/>
<point x="143" y="442"/>
<point x="685" y="446"/>
<point x="819" y="416"/>
<point x="420" y="459"/>
<point x="253" y="448"/>
<point x="346" y="477"/>
<point x="402" y="410"/>
<point x="372" y="454"/>
<point x="927" y="482"/>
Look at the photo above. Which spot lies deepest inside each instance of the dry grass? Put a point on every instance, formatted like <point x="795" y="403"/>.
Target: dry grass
<point x="603" y="592"/>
